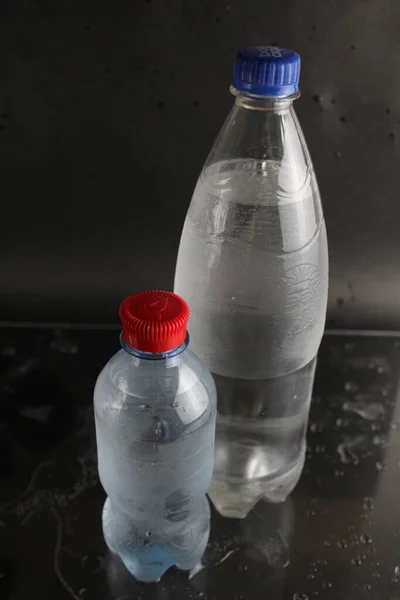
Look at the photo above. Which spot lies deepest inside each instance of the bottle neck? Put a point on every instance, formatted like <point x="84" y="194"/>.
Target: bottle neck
<point x="153" y="355"/>
<point x="264" y="103"/>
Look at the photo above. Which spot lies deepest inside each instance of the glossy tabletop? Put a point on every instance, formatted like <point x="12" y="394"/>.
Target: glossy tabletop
<point x="336" y="537"/>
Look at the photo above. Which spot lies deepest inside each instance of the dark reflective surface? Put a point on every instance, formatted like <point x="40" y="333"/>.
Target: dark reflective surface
<point x="338" y="536"/>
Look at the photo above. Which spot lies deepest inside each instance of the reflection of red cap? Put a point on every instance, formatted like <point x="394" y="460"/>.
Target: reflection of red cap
<point x="154" y="321"/>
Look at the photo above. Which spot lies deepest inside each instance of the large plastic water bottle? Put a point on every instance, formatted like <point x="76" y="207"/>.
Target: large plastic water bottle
<point x="253" y="265"/>
<point x="155" y="408"/>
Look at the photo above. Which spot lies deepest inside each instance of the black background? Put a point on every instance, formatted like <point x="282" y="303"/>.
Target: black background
<point x="108" y="110"/>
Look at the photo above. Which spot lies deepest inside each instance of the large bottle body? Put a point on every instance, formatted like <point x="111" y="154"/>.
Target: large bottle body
<point x="155" y="423"/>
<point x="253" y="265"/>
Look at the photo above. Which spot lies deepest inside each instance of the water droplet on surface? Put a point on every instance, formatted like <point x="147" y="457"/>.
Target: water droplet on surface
<point x="326" y="585"/>
<point x="350" y="386"/>
<point x="36" y="413"/>
<point x="397" y="570"/>
<point x="346" y="454"/>
<point x="316" y="427"/>
<point x="356" y="561"/>
<point x="365" y="539"/>
<point x="338" y="473"/>
<point x="380" y="466"/>
<point x="349" y="345"/>
<point x="367" y="586"/>
<point x="8" y="351"/>
<point x="376" y="575"/>
<point x="365" y="408"/>
<point x="379" y="440"/>
<point x="342" y="544"/>
<point x="300" y="596"/>
<point x="91" y="563"/>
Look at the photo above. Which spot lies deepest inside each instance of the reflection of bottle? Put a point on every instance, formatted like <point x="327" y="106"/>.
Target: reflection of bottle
<point x="124" y="587"/>
<point x="253" y="265"/>
<point x="267" y="531"/>
<point x="155" y="420"/>
<point x="247" y="553"/>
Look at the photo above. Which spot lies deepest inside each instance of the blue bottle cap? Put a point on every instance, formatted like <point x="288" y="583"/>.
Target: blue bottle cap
<point x="267" y="71"/>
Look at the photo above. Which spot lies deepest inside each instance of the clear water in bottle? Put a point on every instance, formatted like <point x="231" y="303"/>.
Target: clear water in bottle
<point x="253" y="265"/>
<point x="155" y="407"/>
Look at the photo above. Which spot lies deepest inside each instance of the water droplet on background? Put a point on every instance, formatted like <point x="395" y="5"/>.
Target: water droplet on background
<point x="63" y="344"/>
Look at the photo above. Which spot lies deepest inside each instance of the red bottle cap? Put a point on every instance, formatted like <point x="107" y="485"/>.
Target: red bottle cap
<point x="154" y="321"/>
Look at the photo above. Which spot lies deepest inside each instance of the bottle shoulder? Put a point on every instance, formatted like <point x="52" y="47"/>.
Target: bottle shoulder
<point x="181" y="388"/>
<point x="274" y="135"/>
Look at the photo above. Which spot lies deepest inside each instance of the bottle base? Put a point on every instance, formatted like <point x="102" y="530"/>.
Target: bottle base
<point x="148" y="552"/>
<point x="236" y="498"/>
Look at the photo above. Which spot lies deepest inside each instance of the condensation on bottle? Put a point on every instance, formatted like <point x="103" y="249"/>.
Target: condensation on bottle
<point x="253" y="265"/>
<point x="155" y="409"/>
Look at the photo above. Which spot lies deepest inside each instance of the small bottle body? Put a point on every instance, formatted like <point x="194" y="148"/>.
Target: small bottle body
<point x="155" y="422"/>
<point x="253" y="265"/>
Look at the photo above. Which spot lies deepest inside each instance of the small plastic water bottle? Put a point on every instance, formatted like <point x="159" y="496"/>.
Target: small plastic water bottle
<point x="155" y="408"/>
<point x="253" y="265"/>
